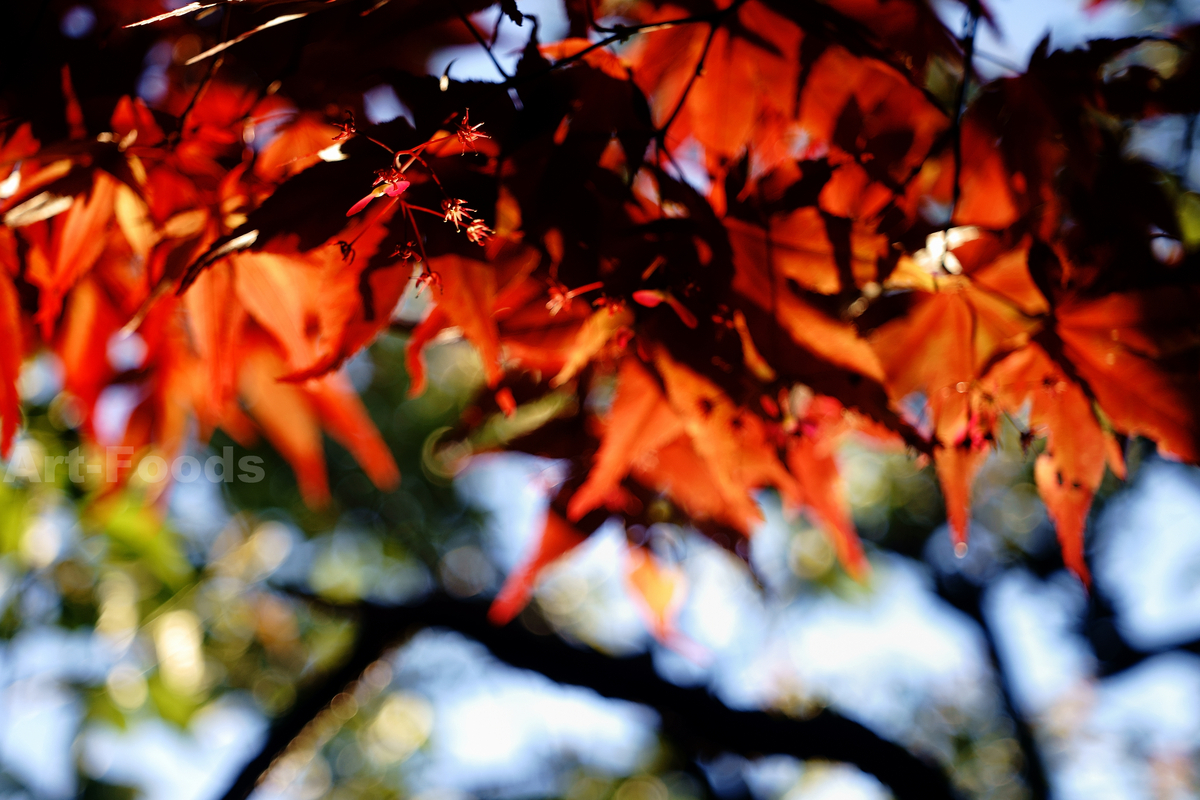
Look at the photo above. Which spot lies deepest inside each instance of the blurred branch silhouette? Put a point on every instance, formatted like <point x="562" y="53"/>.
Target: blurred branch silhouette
<point x="692" y="718"/>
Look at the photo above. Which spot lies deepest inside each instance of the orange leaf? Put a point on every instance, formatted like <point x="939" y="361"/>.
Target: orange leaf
<point x="89" y="320"/>
<point x="557" y="538"/>
<point x="951" y="334"/>
<point x="680" y="473"/>
<point x="1058" y="409"/>
<point x="848" y="96"/>
<point x="1007" y="277"/>
<point x="1121" y="345"/>
<point x="1068" y="505"/>
<point x="1070" y="470"/>
<point x="345" y="418"/>
<point x="661" y="590"/>
<point x="833" y="340"/>
<point x="18" y="146"/>
<point x="851" y="193"/>
<point x="309" y="300"/>
<point x="799" y="248"/>
<point x="732" y="441"/>
<point x="986" y="195"/>
<point x="930" y="350"/>
<point x="215" y="319"/>
<point x="78" y="239"/>
<point x="534" y="338"/>
<point x="956" y="469"/>
<point x="811" y="461"/>
<point x="468" y="294"/>
<point x="639" y="423"/>
<point x="132" y="115"/>
<point x="295" y="148"/>
<point x="286" y="416"/>
<point x="471" y="293"/>
<point x="10" y="363"/>
<point x="593" y="335"/>
<point x="745" y="93"/>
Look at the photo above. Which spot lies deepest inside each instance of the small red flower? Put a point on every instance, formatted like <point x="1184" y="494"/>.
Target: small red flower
<point x="407" y="253"/>
<point x="429" y="278"/>
<point x="478" y="232"/>
<point x="468" y="134"/>
<point x="347" y="128"/>
<point x="456" y="211"/>
<point x="561" y="297"/>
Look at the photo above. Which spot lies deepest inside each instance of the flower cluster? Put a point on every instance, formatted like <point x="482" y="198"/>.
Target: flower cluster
<point x="456" y="211"/>
<point x="468" y="134"/>
<point x="561" y="296"/>
<point x="478" y="232"/>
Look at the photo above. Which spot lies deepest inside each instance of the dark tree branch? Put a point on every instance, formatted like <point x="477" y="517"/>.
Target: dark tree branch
<point x="691" y="717"/>
<point x="374" y="636"/>
<point x="1113" y="651"/>
<point x="965" y="596"/>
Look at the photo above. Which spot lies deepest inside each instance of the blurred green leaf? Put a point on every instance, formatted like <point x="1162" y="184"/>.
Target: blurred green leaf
<point x="138" y="533"/>
<point x="1188" y="209"/>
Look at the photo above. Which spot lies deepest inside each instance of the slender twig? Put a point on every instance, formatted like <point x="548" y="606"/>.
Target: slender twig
<point x="661" y="133"/>
<point x="437" y="214"/>
<point x="960" y="108"/>
<point x="647" y="27"/>
<point x="213" y="66"/>
<point x="376" y="141"/>
<point x="482" y="41"/>
<point x="417" y="233"/>
<point x="496" y="30"/>
<point x="415" y="156"/>
<point x="621" y="33"/>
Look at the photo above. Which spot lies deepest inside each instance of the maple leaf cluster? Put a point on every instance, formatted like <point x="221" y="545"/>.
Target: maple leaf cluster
<point x="881" y="247"/>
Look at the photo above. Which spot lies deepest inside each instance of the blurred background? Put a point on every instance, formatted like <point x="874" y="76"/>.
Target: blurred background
<point x="138" y="661"/>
